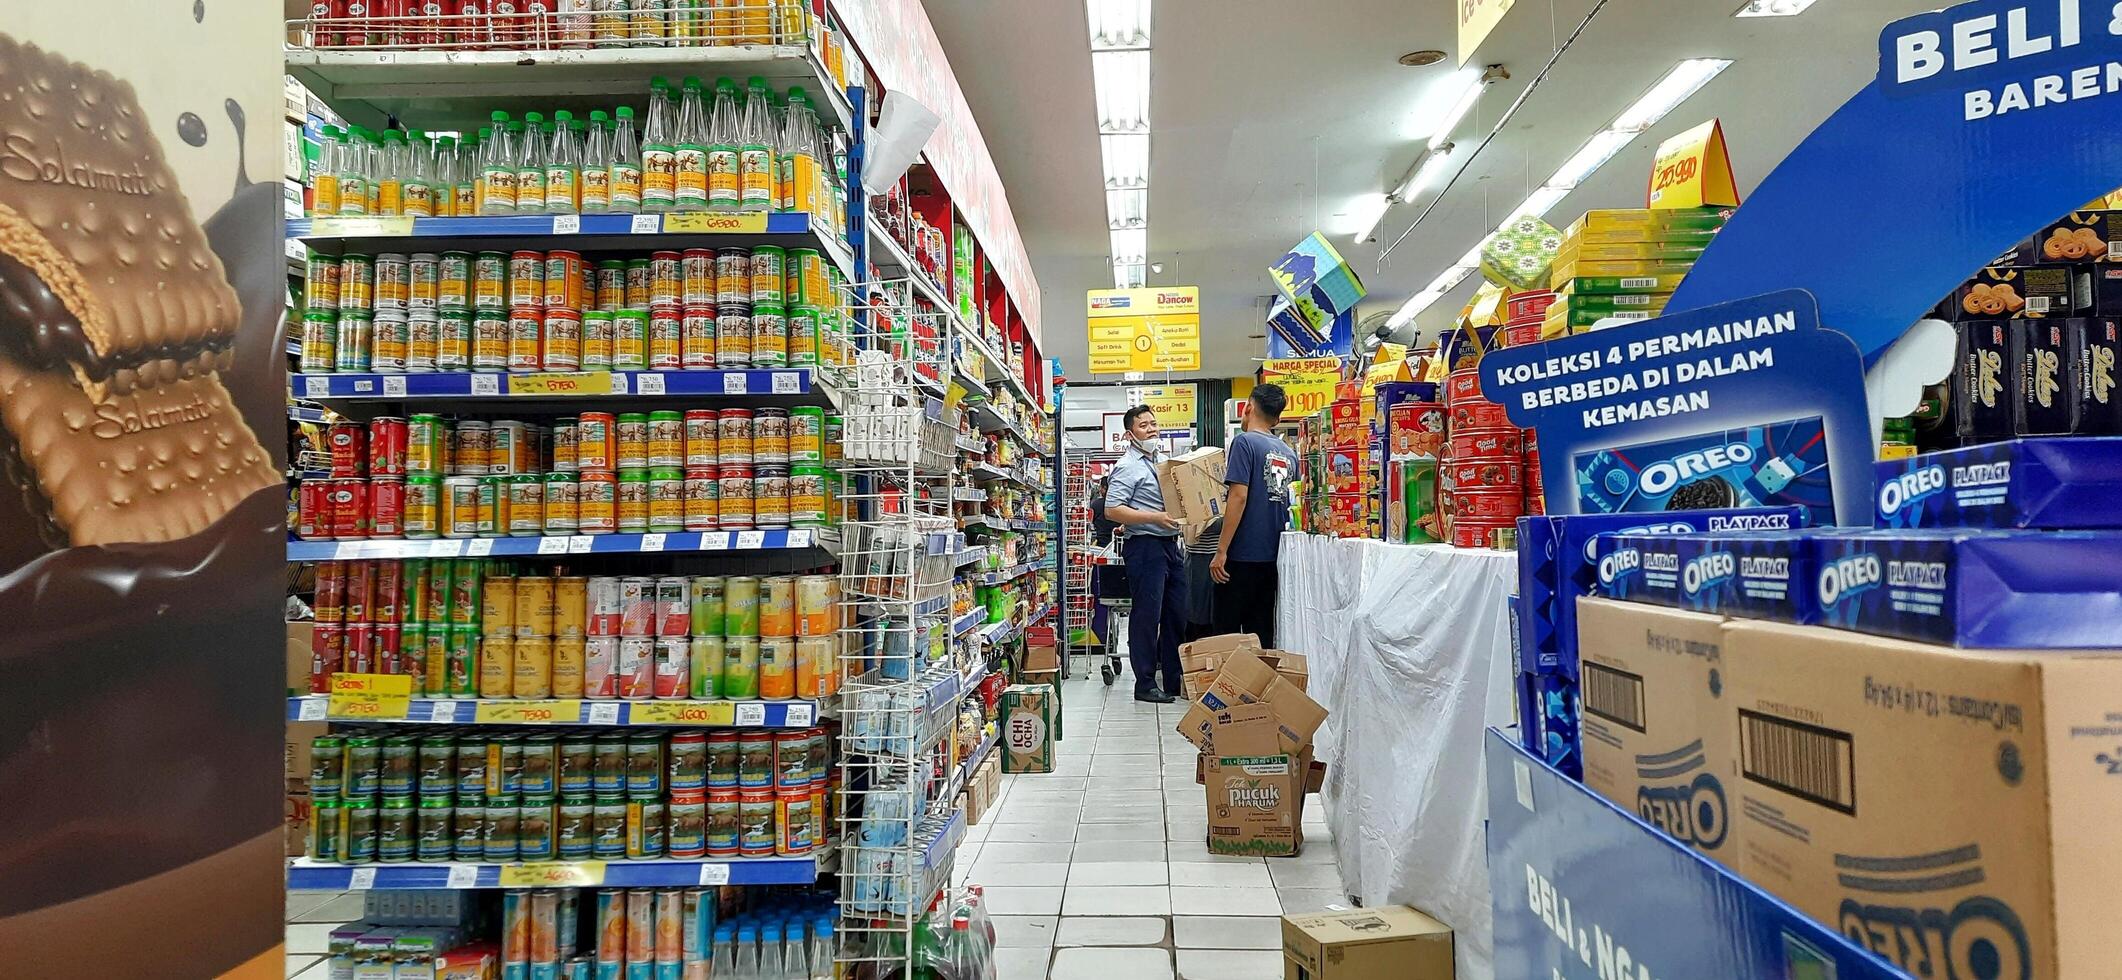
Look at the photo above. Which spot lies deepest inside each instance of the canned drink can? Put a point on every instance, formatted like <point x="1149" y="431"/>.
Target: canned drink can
<point x="608" y="821"/>
<point x="330" y="597"/>
<point x="560" y="505"/>
<point x="497" y="605"/>
<point x="755" y="822"/>
<point x="703" y="498"/>
<point x="534" y="598"/>
<point x="806" y="278"/>
<point x="635" y="672"/>
<point x="576" y="833"/>
<point x="733" y="509"/>
<point x="813" y="655"/>
<point x="791" y="760"/>
<point x="792" y="822"/>
<point x="453" y="281"/>
<point x="349" y="509"/>
<point x="563" y="340"/>
<point x="632" y="501"/>
<point x="777" y="605"/>
<point x="313" y="510"/>
<point x="497" y="666"/>
<point x="696" y="337"/>
<point x="600" y="667"/>
<point x="320" y="342"/>
<point x="526" y="339"/>
<point x="802" y="336"/>
<point x="696" y="267"/>
<point x="453" y="341"/>
<point x="357" y="282"/>
<point x="755" y="760"/>
<point x="596" y="498"/>
<point x="604" y="606"/>
<point x="630" y="339"/>
<point x="740" y="666"/>
<point x="423" y="332"/>
<point x="568" y="653"/>
<point x="493" y="507"/>
<point x="348" y="442"/>
<point x="465" y="587"/>
<point x="352" y="340"/>
<point x="391" y="280"/>
<point x="526" y="278"/>
<point x="460" y="507"/>
<point x="563" y="280"/>
<point x="632" y="435"/>
<point x="666" y="330"/>
<point x="637" y="606"/>
<point x="723" y="823"/>
<point x="326" y="830"/>
<point x="464" y="648"/>
<point x="611" y="285"/>
<point x="390" y="336"/>
<point x="387" y="439"/>
<point x="769" y="336"/>
<point x="673" y="668"/>
<point x="733" y="334"/>
<point x="360" y="591"/>
<point x="722" y="764"/>
<point x="468" y="828"/>
<point x="706" y="658"/>
<point x="639" y="288"/>
<point x="733" y="276"/>
<point x="596" y="441"/>
<point x="490" y="278"/>
<point x="570" y="605"/>
<point x="357" y="840"/>
<point x="814" y="605"/>
<point x="386" y="507"/>
<point x="777" y="668"/>
<point x="422" y="509"/>
<point x="672" y="611"/>
<point x="397" y="761"/>
<point x="596" y="340"/>
<point x="699" y="431"/>
<point x="740" y="605"/>
<point x="321" y="287"/>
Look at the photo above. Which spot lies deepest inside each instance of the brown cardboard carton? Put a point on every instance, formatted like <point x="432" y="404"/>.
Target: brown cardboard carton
<point x="1256" y="804"/>
<point x="1041" y="658"/>
<point x="1208" y="652"/>
<point x="298" y="658"/>
<point x="1951" y="809"/>
<point x="1245" y="729"/>
<point x="1391" y="942"/>
<point x="1297" y="716"/>
<point x="1653" y="686"/>
<point x="1028" y="714"/>
<point x="1192" y="484"/>
<point x="296" y="760"/>
<point x="1246" y="678"/>
<point x="1292" y="667"/>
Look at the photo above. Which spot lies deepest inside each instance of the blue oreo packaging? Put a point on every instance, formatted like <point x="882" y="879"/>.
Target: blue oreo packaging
<point x="1750" y="576"/>
<point x="1556" y="564"/>
<point x="1980" y="589"/>
<point x="1784" y="463"/>
<point x="2060" y="483"/>
<point x="1640" y="567"/>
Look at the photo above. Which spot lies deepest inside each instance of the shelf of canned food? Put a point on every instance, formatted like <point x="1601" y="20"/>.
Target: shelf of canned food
<point x="694" y="713"/>
<point x="585" y="231"/>
<point x="800" y="386"/>
<point x="681" y="542"/>
<point x="306" y="875"/>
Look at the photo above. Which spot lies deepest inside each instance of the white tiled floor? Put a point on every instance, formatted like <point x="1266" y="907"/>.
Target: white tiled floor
<point x="1098" y="870"/>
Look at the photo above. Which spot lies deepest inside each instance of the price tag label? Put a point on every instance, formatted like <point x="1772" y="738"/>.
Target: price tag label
<point x="486" y="384"/>
<point x="362" y="879"/>
<point x="311" y="709"/>
<point x="1693" y="170"/>
<point x="716" y="222"/>
<point x="394" y="385"/>
<point x="561" y="383"/>
<point x="619" y="383"/>
<point x="714" y="541"/>
<point x="370" y="697"/>
<point x="801" y="715"/>
<point x="604" y="713"/>
<point x="463" y="876"/>
<point x="377" y="227"/>
<point x="552" y="546"/>
<point x="316" y="386"/>
<point x="579" y="544"/>
<point x="646" y="224"/>
<point x="567" y="224"/>
<point x="445" y="548"/>
<point x="787" y="383"/>
<point x="444" y="712"/>
<point x="480" y="548"/>
<point x="684" y="713"/>
<point x="751" y="540"/>
<point x="558" y="874"/>
<point x="648" y="384"/>
<point x="799" y="539"/>
<point x="751" y="713"/>
<point x="652" y="542"/>
<point x="736" y="383"/>
<point x="528" y="712"/>
<point x="714" y="874"/>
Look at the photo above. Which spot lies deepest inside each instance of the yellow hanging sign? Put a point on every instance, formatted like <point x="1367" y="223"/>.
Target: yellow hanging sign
<point x="1308" y="382"/>
<point x="1153" y="329"/>
<point x="1693" y="170"/>
<point x="1175" y="406"/>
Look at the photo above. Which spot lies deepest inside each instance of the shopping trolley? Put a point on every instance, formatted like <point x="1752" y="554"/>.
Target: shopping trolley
<point x="1113" y="594"/>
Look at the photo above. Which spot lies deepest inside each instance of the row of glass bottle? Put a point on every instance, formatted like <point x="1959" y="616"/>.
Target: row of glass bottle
<point x="759" y="157"/>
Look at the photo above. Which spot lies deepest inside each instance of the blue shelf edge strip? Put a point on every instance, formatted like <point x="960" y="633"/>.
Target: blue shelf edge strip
<point x="422" y="711"/>
<point x="967" y="622"/>
<point x="560" y="546"/>
<point x="793" y="381"/>
<point x="304" y="876"/>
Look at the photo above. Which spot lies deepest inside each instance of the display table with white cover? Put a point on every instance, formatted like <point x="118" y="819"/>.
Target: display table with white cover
<point x="1410" y="652"/>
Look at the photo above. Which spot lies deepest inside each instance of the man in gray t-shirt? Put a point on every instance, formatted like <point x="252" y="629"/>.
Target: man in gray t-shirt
<point x="1156" y="571"/>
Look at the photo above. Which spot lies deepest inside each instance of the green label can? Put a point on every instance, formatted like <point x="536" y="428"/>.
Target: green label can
<point x="357" y="834"/>
<point x="502" y="823"/>
<point x="327" y="767"/>
<point x="575" y="833"/>
<point x="535" y="833"/>
<point x="468" y="830"/>
<point x="362" y="777"/>
<point x="324" y="828"/>
<point x="463" y="661"/>
<point x="802" y="336"/>
<point x="436" y="841"/>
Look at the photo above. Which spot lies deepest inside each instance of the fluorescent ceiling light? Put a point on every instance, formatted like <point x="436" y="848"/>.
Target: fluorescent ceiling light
<point x="1131" y="245"/>
<point x="1363" y="215"/>
<point x="1127" y="275"/>
<point x="1538" y="203"/>
<point x="1122" y="82"/>
<point x="1126" y="160"/>
<point x="1472" y="258"/>
<point x="1684" y="80"/>
<point x="1449" y="278"/>
<point x="1595" y="152"/>
<point x="1415" y="304"/>
<point x="1456" y="96"/>
<point x="1773" y="8"/>
<point x="1431" y="167"/>
<point x="1118" y="24"/>
<point x="1127" y="208"/>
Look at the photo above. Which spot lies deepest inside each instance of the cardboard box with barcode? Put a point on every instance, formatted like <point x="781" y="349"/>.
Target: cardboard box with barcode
<point x="1028" y="715"/>
<point x="1192" y="484"/>
<point x="1651" y="687"/>
<point x="1950" y="808"/>
<point x="1390" y="942"/>
<point x="1246" y="678"/>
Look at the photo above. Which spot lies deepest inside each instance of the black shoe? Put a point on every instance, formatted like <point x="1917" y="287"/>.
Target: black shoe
<point x="1154" y="697"/>
<point x="1176" y="695"/>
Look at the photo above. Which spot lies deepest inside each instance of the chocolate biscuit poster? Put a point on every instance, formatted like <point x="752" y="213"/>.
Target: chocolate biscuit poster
<point x="142" y="401"/>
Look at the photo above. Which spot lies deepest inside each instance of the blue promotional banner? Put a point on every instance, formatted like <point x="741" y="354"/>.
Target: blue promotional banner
<point x="1584" y="890"/>
<point x="1986" y="122"/>
<point x="1289" y="336"/>
<point x="1742" y="404"/>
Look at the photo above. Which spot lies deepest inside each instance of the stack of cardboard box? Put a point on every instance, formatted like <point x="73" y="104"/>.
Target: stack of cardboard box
<point x="1192" y="484"/>
<point x="981" y="789"/>
<point x="1625" y="263"/>
<point x="1253" y="723"/>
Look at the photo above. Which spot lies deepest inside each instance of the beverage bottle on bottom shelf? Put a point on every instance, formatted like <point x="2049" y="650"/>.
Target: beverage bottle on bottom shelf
<point x="689" y="159"/>
<point x="658" y="150"/>
<point x="747" y="953"/>
<point x="966" y="953"/>
<point x="772" y="958"/>
<point x="445" y="173"/>
<point x="416" y="193"/>
<point x="821" y="949"/>
<point x="624" y="163"/>
<point x="723" y="963"/>
<point x="390" y="175"/>
<point x="722" y="179"/>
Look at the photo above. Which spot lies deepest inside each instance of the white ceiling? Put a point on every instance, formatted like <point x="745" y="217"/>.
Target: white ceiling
<point x="1270" y="120"/>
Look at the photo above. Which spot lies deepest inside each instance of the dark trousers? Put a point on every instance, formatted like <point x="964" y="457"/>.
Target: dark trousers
<point x="1156" y="577"/>
<point x="1246" y="603"/>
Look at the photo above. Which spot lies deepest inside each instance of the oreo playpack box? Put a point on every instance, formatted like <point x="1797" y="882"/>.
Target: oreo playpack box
<point x="2032" y="483"/>
<point x="1642" y="567"/>
<point x="1556" y="564"/>
<point x="1750" y="576"/>
<point x="2032" y="590"/>
<point x="1778" y="464"/>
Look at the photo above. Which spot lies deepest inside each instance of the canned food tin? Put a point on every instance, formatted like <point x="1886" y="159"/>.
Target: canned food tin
<point x="1485" y="443"/>
<point x="357" y="840"/>
<point x="423" y="332"/>
<point x="666" y="330"/>
<point x="769" y="336"/>
<point x="608" y="766"/>
<point x="526" y="278"/>
<point x="503" y="823"/>
<point x="357" y="282"/>
<point x="596" y="500"/>
<point x="566" y="432"/>
<point x="526" y="339"/>
<point x="696" y="337"/>
<point x="645" y="828"/>
<point x="577" y="756"/>
<point x="596" y="441"/>
<point x="755" y="822"/>
<point x="526" y="505"/>
<point x="563" y="340"/>
<point x="608" y="823"/>
<point x="630" y="339"/>
<point x="563" y="280"/>
<point x="723" y="823"/>
<point x="699" y="430"/>
<point x="490" y="272"/>
<point x="770" y="505"/>
<point x="453" y="341"/>
<point x="422" y="275"/>
<point x="733" y="334"/>
<point x="423" y="503"/>
<point x="733" y="510"/>
<point x="769" y="283"/>
<point x="666" y="499"/>
<point x="541" y="765"/>
<point x="321" y="284"/>
<point x="644" y="765"/>
<point x="733" y="276"/>
<point x="390" y="336"/>
<point x="320" y="341"/>
<point x="492" y="332"/>
<point x="352" y="341"/>
<point x="632" y="501"/>
<point x="596" y="340"/>
<point x="453" y="281"/>
<point x="696" y="268"/>
<point x="792" y="822"/>
<point x="639" y="287"/>
<point x="424" y="435"/>
<point x="632" y="430"/>
<point x="391" y="273"/>
<point x="460" y="507"/>
<point x="802" y="336"/>
<point x="665" y="279"/>
<point x="805" y="275"/>
<point x="791" y="766"/>
<point x="326" y="829"/>
<point x="733" y="435"/>
<point x="755" y="760"/>
<point x="703" y="498"/>
<point x="688" y="827"/>
<point x="770" y="435"/>
<point x="575" y="833"/>
<point x="560" y="503"/>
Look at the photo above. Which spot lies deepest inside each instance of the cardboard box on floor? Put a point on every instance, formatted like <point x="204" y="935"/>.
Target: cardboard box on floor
<point x="1028" y="714"/>
<point x="1391" y="942"/>
<point x="1256" y="804"/>
<point x="1653" y="696"/>
<point x="1247" y="678"/>
<point x="1192" y="484"/>
<point x="1951" y="808"/>
<point x="1202" y="659"/>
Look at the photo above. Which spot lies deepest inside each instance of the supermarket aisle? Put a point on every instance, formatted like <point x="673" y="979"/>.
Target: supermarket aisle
<point x="1098" y="871"/>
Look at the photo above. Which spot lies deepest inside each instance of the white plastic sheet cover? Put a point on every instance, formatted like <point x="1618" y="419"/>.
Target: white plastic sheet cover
<point x="1410" y="652"/>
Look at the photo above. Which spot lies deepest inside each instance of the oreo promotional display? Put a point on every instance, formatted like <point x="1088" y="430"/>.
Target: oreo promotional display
<point x="1751" y="576"/>
<point x="1760" y="465"/>
<point x="2030" y="483"/>
<point x="1639" y="567"/>
<point x="1984" y="589"/>
<point x="1556" y="564"/>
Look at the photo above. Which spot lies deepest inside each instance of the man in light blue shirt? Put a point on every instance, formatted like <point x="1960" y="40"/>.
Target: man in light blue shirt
<point x="1156" y="571"/>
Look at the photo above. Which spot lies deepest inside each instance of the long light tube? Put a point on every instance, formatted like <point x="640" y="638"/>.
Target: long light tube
<point x="1122" y="82"/>
<point x="1118" y="25"/>
<point x="1684" y="80"/>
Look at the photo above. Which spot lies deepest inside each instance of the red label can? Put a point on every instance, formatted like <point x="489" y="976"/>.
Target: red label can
<point x="387" y="439"/>
<point x="1462" y="385"/>
<point x="327" y="655"/>
<point x="390" y="648"/>
<point x="313" y="509"/>
<point x="1493" y="506"/>
<point x="1472" y="443"/>
<point x="360" y="649"/>
<point x="349" y="500"/>
<point x="349" y="445"/>
<point x="1477" y="414"/>
<point x="383" y="604"/>
<point x="330" y="602"/>
<point x="360" y="590"/>
<point x="1475" y="474"/>
<point x="386" y="508"/>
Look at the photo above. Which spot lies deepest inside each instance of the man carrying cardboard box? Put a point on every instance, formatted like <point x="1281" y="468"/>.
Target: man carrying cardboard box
<point x="1258" y="470"/>
<point x="1156" y="572"/>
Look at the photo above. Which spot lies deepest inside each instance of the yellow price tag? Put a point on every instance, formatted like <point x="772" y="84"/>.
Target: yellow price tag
<point x="1693" y="170"/>
<point x="369" y="697"/>
<point x="553" y="874"/>
<point x="682" y="712"/>
<point x="716" y="222"/>
<point x="569" y="383"/>
<point x="528" y="712"/>
<point x="360" y="227"/>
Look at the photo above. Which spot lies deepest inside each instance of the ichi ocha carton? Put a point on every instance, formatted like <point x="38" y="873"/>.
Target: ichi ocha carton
<point x="1028" y="718"/>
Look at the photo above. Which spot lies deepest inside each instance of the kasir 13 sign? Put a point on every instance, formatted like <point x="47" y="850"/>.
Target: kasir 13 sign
<point x="1741" y="404"/>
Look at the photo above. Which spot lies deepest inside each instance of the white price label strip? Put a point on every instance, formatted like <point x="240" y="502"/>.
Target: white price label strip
<point x="480" y="548"/>
<point x="714" y="874"/>
<point x="787" y="384"/>
<point x="619" y="382"/>
<point x="647" y="224"/>
<point x="751" y="713"/>
<point x="463" y="876"/>
<point x="312" y="709"/>
<point x="648" y="384"/>
<point x="714" y="541"/>
<point x="652" y="542"/>
<point x="736" y="383"/>
<point x="604" y="713"/>
<point x="362" y="879"/>
<point x="567" y="224"/>
<point x="486" y="384"/>
<point x="579" y="544"/>
<point x="552" y="546"/>
<point x="444" y="712"/>
<point x="394" y="386"/>
<point x="445" y="548"/>
<point x="316" y="387"/>
<point x="801" y="715"/>
<point x="751" y="540"/>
